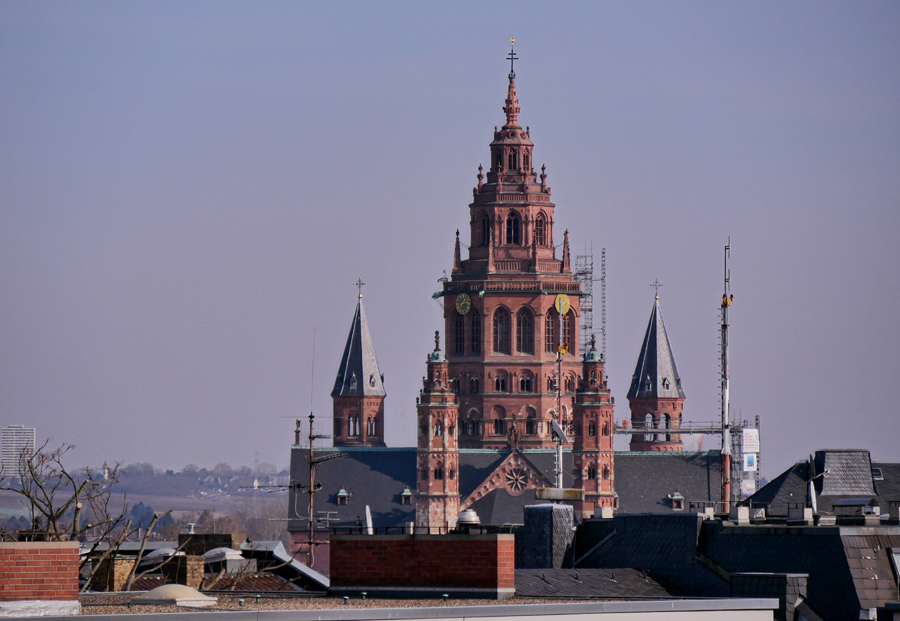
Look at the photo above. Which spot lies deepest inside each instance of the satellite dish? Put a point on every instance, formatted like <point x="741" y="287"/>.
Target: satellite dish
<point x="369" y="529"/>
<point x="558" y="432"/>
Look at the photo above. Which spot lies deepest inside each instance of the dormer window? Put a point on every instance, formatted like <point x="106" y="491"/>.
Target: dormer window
<point x="677" y="501"/>
<point x="353" y="382"/>
<point x="372" y="380"/>
<point x="665" y="383"/>
<point x="343" y="497"/>
<point x="406" y="497"/>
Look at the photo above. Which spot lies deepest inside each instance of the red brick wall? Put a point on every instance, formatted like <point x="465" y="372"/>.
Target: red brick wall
<point x="39" y="571"/>
<point x="449" y="561"/>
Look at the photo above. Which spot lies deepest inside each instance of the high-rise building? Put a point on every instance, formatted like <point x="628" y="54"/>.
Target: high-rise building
<point x="16" y="442"/>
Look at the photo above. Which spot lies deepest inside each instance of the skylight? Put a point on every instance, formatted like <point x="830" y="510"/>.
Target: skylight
<point x="877" y="475"/>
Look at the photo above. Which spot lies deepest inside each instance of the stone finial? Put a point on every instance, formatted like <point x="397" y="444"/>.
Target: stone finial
<point x="543" y="177"/>
<point x="437" y="340"/>
<point x="480" y="176"/>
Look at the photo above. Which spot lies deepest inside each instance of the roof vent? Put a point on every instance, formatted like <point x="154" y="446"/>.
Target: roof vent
<point x="469" y="518"/>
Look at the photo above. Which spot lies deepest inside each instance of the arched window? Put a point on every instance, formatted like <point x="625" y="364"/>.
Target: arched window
<point x="648" y="426"/>
<point x="606" y="472"/>
<point x="485" y="230"/>
<point x="665" y="422"/>
<point x="512" y="160"/>
<point x="473" y="386"/>
<point x="512" y="229"/>
<point x="438" y="429"/>
<point x="438" y="473"/>
<point x="475" y="331"/>
<point x="370" y="428"/>
<point x="551" y="385"/>
<point x="451" y="474"/>
<point x="592" y="429"/>
<point x="459" y="333"/>
<point x="525" y="383"/>
<point x="525" y="331"/>
<point x="502" y="331"/>
<point x="540" y="230"/>
<point x="499" y="427"/>
<point x="530" y="422"/>
<point x="500" y="383"/>
<point x="526" y="161"/>
<point x="592" y="472"/>
<point x="566" y="331"/>
<point x="550" y="333"/>
<point x="570" y="384"/>
<point x="605" y="429"/>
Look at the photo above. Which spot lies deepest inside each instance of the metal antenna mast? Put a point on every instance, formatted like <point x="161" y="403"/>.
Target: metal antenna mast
<point x="724" y="385"/>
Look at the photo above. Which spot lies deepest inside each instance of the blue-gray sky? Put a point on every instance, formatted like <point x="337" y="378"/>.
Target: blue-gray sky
<point x="188" y="190"/>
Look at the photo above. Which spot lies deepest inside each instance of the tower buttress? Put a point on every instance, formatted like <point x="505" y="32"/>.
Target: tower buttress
<point x="437" y="454"/>
<point x="593" y="444"/>
<point x="358" y="394"/>
<point x="656" y="398"/>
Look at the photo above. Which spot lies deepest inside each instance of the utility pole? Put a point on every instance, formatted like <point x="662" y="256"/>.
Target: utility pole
<point x="725" y="378"/>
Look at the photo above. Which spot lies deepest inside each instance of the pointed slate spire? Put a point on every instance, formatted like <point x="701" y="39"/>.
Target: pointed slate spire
<point x="656" y="375"/>
<point x="358" y="374"/>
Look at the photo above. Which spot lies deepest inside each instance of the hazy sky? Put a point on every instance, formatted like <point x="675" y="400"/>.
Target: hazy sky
<point x="188" y="191"/>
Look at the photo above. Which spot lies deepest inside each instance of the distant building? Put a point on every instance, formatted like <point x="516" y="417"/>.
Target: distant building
<point x="15" y="441"/>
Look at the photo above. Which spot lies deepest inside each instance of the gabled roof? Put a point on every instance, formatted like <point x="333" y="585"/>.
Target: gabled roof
<point x="655" y="375"/>
<point x="358" y="374"/>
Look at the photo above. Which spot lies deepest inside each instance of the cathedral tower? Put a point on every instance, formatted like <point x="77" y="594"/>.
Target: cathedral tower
<point x="437" y="454"/>
<point x="512" y="304"/>
<point x="656" y="398"/>
<point x="358" y="395"/>
<point x="593" y="444"/>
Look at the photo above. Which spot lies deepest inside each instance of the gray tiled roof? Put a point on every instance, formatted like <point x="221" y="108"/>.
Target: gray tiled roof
<point x="845" y="472"/>
<point x="655" y="374"/>
<point x="665" y="546"/>
<point x="849" y="476"/>
<point x="377" y="477"/>
<point x="644" y="481"/>
<point x="612" y="583"/>
<point x="358" y="373"/>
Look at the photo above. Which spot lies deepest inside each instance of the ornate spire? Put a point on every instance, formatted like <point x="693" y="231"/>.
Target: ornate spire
<point x="457" y="258"/>
<point x="511" y="108"/>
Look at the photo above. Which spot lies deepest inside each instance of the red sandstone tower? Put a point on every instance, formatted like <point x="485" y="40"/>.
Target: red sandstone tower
<point x="593" y="444"/>
<point x="656" y="397"/>
<point x="437" y="454"/>
<point x="358" y="395"/>
<point x="510" y="305"/>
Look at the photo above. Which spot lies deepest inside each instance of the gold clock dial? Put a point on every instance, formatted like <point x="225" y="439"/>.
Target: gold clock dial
<point x="463" y="303"/>
<point x="562" y="304"/>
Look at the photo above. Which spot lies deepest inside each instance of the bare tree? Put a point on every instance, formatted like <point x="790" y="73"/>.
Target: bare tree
<point x="73" y="506"/>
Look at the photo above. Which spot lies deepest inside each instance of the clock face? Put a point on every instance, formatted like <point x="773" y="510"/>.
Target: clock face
<point x="562" y="304"/>
<point x="463" y="303"/>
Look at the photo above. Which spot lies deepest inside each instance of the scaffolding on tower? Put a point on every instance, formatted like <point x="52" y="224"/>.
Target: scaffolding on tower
<point x="584" y="274"/>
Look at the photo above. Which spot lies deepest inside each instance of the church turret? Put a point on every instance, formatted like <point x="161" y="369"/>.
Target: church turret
<point x="358" y="395"/>
<point x="656" y="397"/>
<point x="593" y="443"/>
<point x="510" y="301"/>
<point x="437" y="455"/>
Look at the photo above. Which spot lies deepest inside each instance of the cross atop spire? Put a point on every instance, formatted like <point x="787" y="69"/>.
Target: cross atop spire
<point x="656" y="285"/>
<point x="512" y="57"/>
<point x="359" y="285"/>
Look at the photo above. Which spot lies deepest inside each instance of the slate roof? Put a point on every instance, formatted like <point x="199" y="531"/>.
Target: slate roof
<point x="787" y="488"/>
<point x="655" y="374"/>
<point x="842" y="562"/>
<point x="849" y="476"/>
<point x="644" y="480"/>
<point x="845" y="473"/>
<point x="377" y="476"/>
<point x="665" y="546"/>
<point x="594" y="583"/>
<point x="358" y="373"/>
